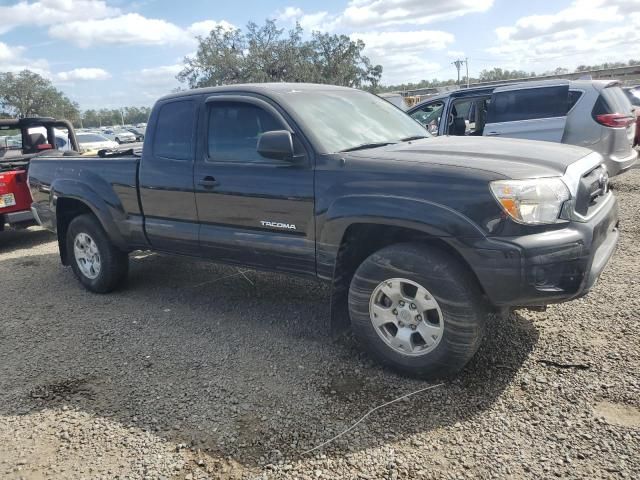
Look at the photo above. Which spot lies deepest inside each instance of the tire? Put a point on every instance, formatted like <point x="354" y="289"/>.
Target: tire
<point x="442" y="307"/>
<point x="112" y="265"/>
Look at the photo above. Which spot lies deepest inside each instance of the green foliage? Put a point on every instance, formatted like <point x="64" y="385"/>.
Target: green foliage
<point x="268" y="54"/>
<point x="497" y="74"/>
<point x="27" y="94"/>
<point x="115" y="116"/>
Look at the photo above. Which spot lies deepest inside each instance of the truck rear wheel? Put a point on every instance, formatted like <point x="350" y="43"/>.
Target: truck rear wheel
<point x="96" y="262"/>
<point x="417" y="309"/>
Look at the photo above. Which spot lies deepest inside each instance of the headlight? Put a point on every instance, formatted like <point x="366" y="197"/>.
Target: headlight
<point x="532" y="201"/>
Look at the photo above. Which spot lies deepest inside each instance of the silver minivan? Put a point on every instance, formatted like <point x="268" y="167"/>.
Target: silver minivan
<point x="591" y="113"/>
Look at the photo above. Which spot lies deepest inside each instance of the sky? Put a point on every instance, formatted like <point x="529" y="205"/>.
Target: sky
<point x="113" y="53"/>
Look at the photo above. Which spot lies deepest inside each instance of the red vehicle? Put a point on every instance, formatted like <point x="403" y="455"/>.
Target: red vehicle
<point x="21" y="140"/>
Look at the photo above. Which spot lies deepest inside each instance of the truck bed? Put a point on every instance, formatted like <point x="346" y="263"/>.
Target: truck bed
<point x="110" y="184"/>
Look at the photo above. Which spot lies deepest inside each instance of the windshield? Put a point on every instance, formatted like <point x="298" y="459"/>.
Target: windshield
<point x="339" y="120"/>
<point x="90" y="138"/>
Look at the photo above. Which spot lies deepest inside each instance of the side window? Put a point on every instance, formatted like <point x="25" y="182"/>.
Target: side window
<point x="429" y="116"/>
<point x="574" y="96"/>
<point x="529" y="104"/>
<point x="173" y="138"/>
<point x="234" y="130"/>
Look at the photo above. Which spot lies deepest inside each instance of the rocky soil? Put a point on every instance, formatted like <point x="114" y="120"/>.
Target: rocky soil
<point x="204" y="371"/>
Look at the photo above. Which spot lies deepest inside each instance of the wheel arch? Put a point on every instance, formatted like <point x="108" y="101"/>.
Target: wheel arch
<point x="70" y="199"/>
<point x="360" y="240"/>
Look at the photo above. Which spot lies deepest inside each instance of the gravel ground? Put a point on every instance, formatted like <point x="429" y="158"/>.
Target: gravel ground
<point x="197" y="371"/>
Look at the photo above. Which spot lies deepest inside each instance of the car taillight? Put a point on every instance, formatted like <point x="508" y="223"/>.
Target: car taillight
<point x="615" y="120"/>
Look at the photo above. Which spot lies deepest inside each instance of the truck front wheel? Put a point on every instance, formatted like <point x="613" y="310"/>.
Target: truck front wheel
<point x="417" y="309"/>
<point x="98" y="264"/>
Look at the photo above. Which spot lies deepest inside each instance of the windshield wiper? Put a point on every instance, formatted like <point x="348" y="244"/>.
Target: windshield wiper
<point x="364" y="146"/>
<point x="416" y="137"/>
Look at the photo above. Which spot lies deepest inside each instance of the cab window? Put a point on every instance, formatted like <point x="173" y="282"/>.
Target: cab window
<point x="173" y="138"/>
<point x="234" y="129"/>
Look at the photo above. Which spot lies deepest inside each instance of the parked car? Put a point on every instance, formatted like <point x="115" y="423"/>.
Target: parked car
<point x="633" y="94"/>
<point x="89" y="142"/>
<point x="119" y="136"/>
<point x="26" y="138"/>
<point x="138" y="132"/>
<point x="589" y="113"/>
<point x="419" y="237"/>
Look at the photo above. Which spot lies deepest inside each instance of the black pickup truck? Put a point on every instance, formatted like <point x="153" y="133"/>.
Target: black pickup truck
<point x="420" y="237"/>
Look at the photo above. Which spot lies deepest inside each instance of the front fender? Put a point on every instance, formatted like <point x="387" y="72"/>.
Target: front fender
<point x="420" y="215"/>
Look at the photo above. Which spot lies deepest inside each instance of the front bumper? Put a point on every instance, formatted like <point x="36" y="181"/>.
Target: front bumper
<point x="549" y="267"/>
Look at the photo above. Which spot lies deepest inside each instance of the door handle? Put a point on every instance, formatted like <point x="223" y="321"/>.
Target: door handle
<point x="208" y="182"/>
<point x="491" y="134"/>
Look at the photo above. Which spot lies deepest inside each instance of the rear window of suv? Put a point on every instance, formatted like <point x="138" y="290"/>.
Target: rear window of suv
<point x="529" y="104"/>
<point x="612" y="100"/>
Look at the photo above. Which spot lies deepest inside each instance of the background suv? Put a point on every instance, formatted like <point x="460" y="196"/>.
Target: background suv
<point x="590" y="113"/>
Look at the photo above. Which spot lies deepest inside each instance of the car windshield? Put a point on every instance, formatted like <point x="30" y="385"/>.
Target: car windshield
<point x="339" y="120"/>
<point x="90" y="138"/>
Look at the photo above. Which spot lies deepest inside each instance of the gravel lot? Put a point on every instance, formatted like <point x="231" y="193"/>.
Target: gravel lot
<point x="197" y="371"/>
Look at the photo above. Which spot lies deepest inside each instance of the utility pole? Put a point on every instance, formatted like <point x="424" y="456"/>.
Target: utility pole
<point x="466" y="63"/>
<point x="458" y="64"/>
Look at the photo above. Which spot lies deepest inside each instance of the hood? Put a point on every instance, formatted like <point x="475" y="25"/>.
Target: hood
<point x="508" y="157"/>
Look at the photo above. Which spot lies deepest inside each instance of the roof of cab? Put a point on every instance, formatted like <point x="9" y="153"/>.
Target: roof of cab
<point x="257" y="88"/>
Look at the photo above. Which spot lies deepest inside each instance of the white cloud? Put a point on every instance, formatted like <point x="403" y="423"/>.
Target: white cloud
<point x="587" y="32"/>
<point x="159" y="76"/>
<point x="366" y="14"/>
<point x="132" y="29"/>
<point x="202" y="29"/>
<point x="9" y="54"/>
<point x="379" y="13"/>
<point x="579" y="14"/>
<point x="151" y="83"/>
<point x="83" y="74"/>
<point x="289" y="14"/>
<point x="128" y="29"/>
<point x="12" y="60"/>
<point x="51" y="12"/>
<point x="404" y="55"/>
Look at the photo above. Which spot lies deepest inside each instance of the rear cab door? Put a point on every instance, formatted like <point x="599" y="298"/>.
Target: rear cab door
<point x="166" y="177"/>
<point x="536" y="111"/>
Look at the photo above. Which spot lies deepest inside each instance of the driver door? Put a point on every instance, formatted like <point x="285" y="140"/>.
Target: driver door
<point x="252" y="210"/>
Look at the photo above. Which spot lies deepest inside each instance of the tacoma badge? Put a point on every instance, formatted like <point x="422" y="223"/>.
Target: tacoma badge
<point x="288" y="226"/>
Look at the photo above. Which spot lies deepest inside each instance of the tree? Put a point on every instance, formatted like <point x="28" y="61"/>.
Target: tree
<point x="268" y="54"/>
<point x="115" y="116"/>
<point x="499" y="74"/>
<point x="28" y="94"/>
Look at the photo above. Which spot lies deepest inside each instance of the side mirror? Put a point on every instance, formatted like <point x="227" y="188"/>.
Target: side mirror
<point x="277" y="144"/>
